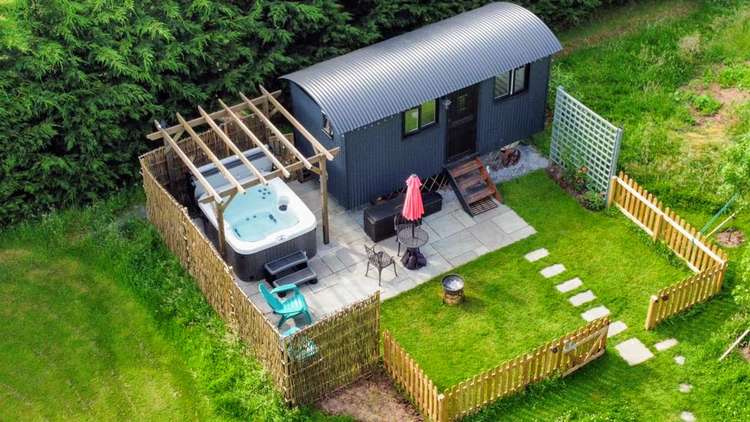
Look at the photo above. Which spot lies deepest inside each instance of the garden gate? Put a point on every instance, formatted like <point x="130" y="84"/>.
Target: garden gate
<point x="580" y="137"/>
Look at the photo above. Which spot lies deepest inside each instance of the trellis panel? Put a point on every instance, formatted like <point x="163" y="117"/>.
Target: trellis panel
<point x="580" y="137"/>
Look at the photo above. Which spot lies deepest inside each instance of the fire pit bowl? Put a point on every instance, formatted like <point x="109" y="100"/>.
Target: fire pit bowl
<point x="453" y="289"/>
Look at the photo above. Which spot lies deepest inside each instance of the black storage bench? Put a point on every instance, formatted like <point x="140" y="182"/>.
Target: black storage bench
<point x="379" y="218"/>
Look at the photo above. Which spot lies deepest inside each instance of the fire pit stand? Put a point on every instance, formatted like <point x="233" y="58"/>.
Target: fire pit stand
<point x="453" y="289"/>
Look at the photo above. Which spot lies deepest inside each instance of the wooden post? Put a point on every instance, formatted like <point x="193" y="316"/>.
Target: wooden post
<point x="651" y="315"/>
<point x="657" y="225"/>
<point x="442" y="413"/>
<point x="611" y="193"/>
<point x="324" y="197"/>
<point x="219" y="211"/>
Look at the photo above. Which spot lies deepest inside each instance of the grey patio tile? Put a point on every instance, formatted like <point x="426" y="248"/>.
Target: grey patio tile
<point x="633" y="351"/>
<point x="509" y="222"/>
<point x="320" y="267"/>
<point x="481" y="250"/>
<point x="463" y="218"/>
<point x="261" y="303"/>
<point x="552" y="270"/>
<point x="522" y="233"/>
<point x="536" y="255"/>
<point x="357" y="285"/>
<point x="595" y="313"/>
<point x="490" y="235"/>
<point x="328" y="301"/>
<point x="436" y="265"/>
<point x="616" y="328"/>
<point x="456" y="244"/>
<point x="581" y="298"/>
<point x="324" y="283"/>
<point x="400" y="284"/>
<point x="446" y="225"/>
<point x="428" y="250"/>
<point x="490" y="214"/>
<point x="351" y="255"/>
<point x="666" y="344"/>
<point x="333" y="262"/>
<point x="569" y="285"/>
<point x="433" y="236"/>
<point x="463" y="258"/>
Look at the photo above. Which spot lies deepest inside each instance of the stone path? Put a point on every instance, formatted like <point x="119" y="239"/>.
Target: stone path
<point x="634" y="351"/>
<point x="666" y="344"/>
<point x="685" y="388"/>
<point x="569" y="285"/>
<point x="581" y="298"/>
<point x="553" y="270"/>
<point x="536" y="255"/>
<point x="687" y="416"/>
<point x="616" y="328"/>
<point x="680" y="360"/>
<point x="595" y="313"/>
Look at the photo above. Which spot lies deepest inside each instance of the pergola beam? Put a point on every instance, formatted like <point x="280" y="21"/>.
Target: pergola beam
<point x="276" y="131"/>
<point x="155" y="136"/>
<point x="297" y="125"/>
<point x="255" y="139"/>
<point x="232" y="146"/>
<point x="186" y="160"/>
<point x="297" y="165"/>
<point x="224" y="171"/>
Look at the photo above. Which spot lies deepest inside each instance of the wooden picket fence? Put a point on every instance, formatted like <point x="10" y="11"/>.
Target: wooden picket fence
<point x="701" y="255"/>
<point x="562" y="357"/>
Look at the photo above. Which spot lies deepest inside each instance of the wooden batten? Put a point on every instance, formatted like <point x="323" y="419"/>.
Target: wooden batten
<point x="255" y="139"/>
<point x="214" y="159"/>
<point x="297" y="125"/>
<point x="155" y="136"/>
<point x="223" y="136"/>
<point x="276" y="131"/>
<point x="185" y="159"/>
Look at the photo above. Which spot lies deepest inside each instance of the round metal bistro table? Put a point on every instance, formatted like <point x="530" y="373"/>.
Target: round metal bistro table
<point x="413" y="238"/>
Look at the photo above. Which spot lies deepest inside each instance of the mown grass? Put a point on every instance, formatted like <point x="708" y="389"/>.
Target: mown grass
<point x="510" y="307"/>
<point x="635" y="79"/>
<point x="101" y="322"/>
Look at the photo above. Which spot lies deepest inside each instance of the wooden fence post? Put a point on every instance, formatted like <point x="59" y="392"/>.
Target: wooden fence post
<point x="442" y="411"/>
<point x="657" y="226"/>
<point x="651" y="315"/>
<point x="611" y="193"/>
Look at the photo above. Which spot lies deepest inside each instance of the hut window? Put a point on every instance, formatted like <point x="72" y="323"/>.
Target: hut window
<point x="511" y="82"/>
<point x="327" y="127"/>
<point x="420" y="117"/>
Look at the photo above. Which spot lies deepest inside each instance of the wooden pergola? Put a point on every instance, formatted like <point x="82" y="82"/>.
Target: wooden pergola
<point x="237" y="114"/>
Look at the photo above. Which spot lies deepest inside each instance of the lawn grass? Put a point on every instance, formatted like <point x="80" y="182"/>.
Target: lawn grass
<point x="635" y="77"/>
<point x="510" y="307"/>
<point x="100" y="322"/>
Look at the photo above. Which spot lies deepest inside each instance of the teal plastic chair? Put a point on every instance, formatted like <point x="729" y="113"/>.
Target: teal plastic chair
<point x="289" y="307"/>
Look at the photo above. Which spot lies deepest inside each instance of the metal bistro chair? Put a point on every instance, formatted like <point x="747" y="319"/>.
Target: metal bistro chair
<point x="380" y="260"/>
<point x="400" y="223"/>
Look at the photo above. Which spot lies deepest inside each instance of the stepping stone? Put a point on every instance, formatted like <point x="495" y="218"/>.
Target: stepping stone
<point x="680" y="360"/>
<point x="581" y="298"/>
<point x="595" y="313"/>
<point x="634" y="352"/>
<point x="536" y="255"/>
<point x="553" y="270"/>
<point x="685" y="388"/>
<point x="666" y="344"/>
<point x="687" y="416"/>
<point x="569" y="285"/>
<point x="616" y="328"/>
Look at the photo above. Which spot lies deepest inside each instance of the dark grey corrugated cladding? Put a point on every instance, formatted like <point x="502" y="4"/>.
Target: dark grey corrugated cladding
<point x="389" y="77"/>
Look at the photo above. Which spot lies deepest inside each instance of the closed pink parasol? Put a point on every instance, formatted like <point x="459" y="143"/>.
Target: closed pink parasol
<point x="413" y="207"/>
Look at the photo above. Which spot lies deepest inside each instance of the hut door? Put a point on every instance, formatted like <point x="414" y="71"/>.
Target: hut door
<point x="462" y="123"/>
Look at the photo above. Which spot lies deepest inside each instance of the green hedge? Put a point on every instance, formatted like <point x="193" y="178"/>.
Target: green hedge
<point x="80" y="81"/>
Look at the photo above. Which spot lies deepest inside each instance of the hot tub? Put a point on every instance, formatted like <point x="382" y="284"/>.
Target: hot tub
<point x="264" y="223"/>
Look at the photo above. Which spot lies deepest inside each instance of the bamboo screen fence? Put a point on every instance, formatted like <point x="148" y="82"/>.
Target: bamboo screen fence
<point x="706" y="259"/>
<point x="322" y="357"/>
<point x="561" y="356"/>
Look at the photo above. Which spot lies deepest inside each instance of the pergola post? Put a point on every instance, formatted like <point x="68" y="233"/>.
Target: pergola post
<point x="219" y="211"/>
<point x="324" y="200"/>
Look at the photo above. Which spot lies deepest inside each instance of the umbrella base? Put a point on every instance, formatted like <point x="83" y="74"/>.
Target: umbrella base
<point x="413" y="259"/>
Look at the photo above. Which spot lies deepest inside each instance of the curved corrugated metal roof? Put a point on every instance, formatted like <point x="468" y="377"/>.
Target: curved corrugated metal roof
<point x="391" y="76"/>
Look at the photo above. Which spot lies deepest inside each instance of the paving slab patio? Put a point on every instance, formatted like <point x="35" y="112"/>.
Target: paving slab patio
<point x="455" y="239"/>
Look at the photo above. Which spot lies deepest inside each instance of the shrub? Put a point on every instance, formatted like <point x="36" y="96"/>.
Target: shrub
<point x="593" y="200"/>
